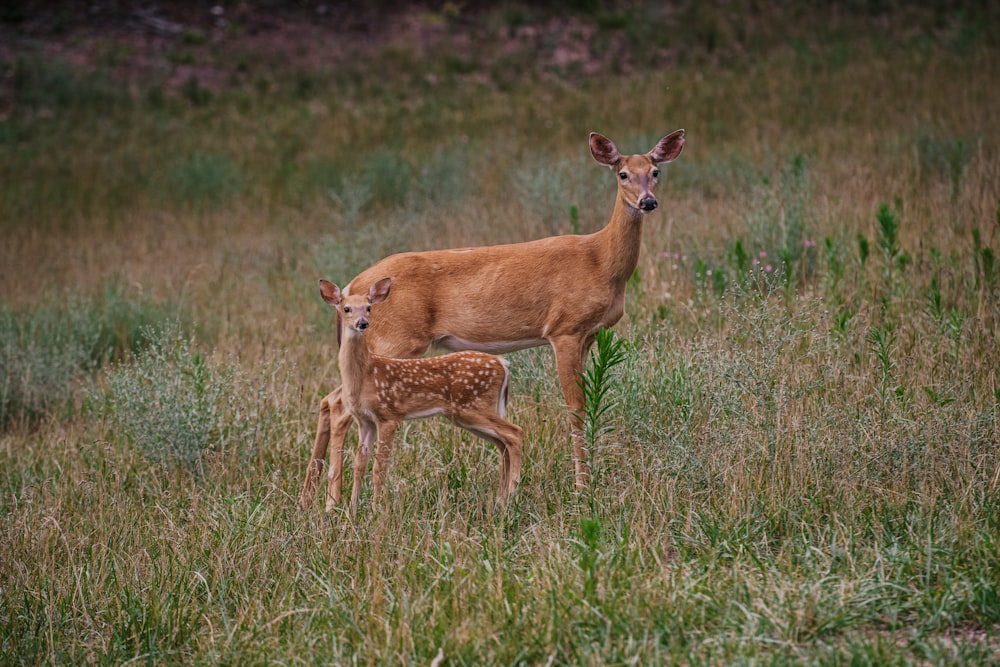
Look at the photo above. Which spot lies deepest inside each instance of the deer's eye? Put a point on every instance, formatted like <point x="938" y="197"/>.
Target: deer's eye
<point x="656" y="173"/>
<point x="347" y="309"/>
<point x="368" y="309"/>
<point x="623" y="175"/>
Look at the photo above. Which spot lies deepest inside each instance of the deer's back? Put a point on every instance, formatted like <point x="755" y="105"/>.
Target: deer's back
<point x="495" y="298"/>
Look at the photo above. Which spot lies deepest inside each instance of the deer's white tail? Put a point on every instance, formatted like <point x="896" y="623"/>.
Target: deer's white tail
<point x="502" y="402"/>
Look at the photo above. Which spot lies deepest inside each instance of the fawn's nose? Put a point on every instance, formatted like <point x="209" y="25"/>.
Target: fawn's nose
<point x="647" y="203"/>
<point x="362" y="325"/>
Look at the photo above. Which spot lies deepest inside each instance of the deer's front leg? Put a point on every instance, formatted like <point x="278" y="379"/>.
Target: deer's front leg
<point x="386" y="433"/>
<point x="340" y="425"/>
<point x="367" y="440"/>
<point x="571" y="354"/>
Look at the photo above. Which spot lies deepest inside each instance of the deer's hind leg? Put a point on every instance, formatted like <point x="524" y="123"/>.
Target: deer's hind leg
<point x="507" y="438"/>
<point x="510" y="472"/>
<point x="315" y="466"/>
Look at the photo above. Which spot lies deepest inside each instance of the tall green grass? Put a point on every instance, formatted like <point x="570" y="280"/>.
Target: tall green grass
<point x="795" y="452"/>
<point x="49" y="350"/>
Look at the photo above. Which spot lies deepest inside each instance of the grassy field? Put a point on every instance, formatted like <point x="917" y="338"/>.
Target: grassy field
<point x="798" y="460"/>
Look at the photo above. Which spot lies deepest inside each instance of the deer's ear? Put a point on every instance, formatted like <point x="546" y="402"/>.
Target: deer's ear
<point x="331" y="293"/>
<point x="668" y="148"/>
<point x="379" y="292"/>
<point x="604" y="150"/>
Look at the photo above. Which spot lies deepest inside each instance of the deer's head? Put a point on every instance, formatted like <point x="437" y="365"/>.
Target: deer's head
<point x="354" y="309"/>
<point x="637" y="174"/>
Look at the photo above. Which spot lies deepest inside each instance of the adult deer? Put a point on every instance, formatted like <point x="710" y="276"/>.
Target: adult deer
<point x="559" y="290"/>
<point x="469" y="388"/>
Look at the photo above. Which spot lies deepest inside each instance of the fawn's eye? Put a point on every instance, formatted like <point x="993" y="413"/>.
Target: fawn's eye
<point x="368" y="309"/>
<point x="347" y="309"/>
<point x="656" y="173"/>
<point x="623" y="175"/>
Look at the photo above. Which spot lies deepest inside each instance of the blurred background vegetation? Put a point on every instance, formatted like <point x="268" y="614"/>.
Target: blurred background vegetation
<point x="796" y="460"/>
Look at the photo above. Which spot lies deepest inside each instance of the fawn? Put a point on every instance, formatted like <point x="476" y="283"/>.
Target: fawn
<point x="469" y="388"/>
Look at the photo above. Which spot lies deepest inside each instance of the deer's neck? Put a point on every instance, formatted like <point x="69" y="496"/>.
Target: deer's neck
<point x="620" y="241"/>
<point x="355" y="364"/>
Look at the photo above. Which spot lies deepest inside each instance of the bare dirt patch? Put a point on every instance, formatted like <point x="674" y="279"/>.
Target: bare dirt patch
<point x="175" y="43"/>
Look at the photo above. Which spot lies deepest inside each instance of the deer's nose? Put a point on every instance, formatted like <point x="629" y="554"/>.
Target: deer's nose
<point x="647" y="203"/>
<point x="362" y="325"/>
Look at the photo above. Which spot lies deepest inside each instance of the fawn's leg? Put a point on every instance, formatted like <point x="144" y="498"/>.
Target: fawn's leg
<point x="367" y="438"/>
<point x="340" y="423"/>
<point x="386" y="433"/>
<point x="510" y="436"/>
<point x="513" y="435"/>
<point x="506" y="437"/>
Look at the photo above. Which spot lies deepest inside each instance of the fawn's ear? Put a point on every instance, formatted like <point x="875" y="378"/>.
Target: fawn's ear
<point x="668" y="148"/>
<point x="331" y="293"/>
<point x="379" y="292"/>
<point x="604" y="150"/>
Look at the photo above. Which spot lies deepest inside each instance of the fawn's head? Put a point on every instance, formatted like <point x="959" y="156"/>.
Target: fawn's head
<point x="637" y="174"/>
<point x="355" y="308"/>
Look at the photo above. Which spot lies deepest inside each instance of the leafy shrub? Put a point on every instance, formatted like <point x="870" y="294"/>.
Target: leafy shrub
<point x="45" y="350"/>
<point x="204" y="180"/>
<point x="301" y="184"/>
<point x="176" y="404"/>
<point x="779" y="215"/>
<point x="351" y="197"/>
<point x="54" y="84"/>
<point x="543" y="190"/>
<point x="776" y="249"/>
<point x="548" y="192"/>
<point x="387" y="176"/>
<point x="443" y="178"/>
<point x="944" y="157"/>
